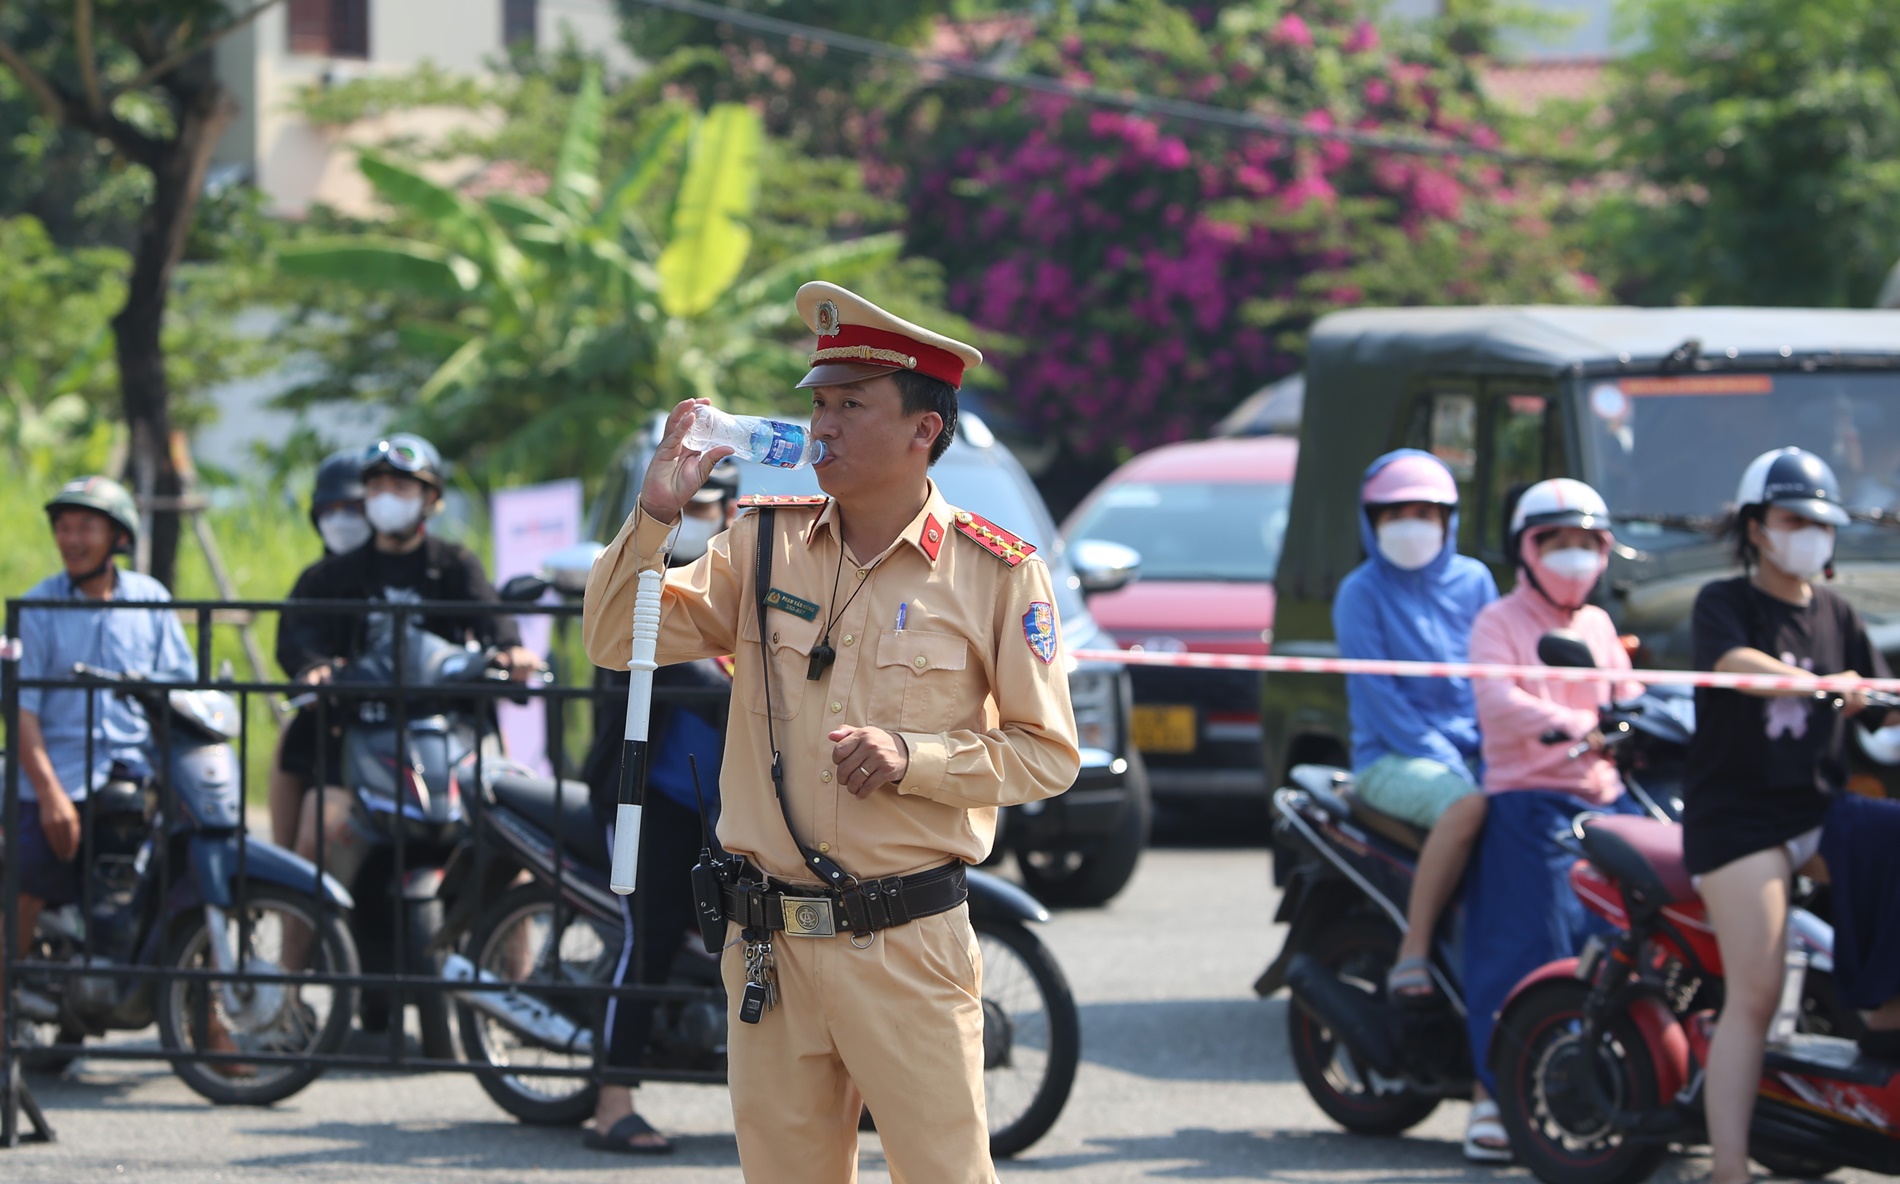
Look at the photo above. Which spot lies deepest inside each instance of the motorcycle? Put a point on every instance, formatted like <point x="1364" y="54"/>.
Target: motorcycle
<point x="169" y="886"/>
<point x="1378" y="1066"/>
<point x="1600" y="1058"/>
<point x="408" y="813"/>
<point x="569" y="929"/>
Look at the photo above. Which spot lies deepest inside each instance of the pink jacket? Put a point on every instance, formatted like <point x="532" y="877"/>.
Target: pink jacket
<point x="1513" y="714"/>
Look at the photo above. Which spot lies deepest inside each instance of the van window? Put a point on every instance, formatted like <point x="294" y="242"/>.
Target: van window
<point x="1519" y="458"/>
<point x="1454" y="438"/>
<point x="1445" y="424"/>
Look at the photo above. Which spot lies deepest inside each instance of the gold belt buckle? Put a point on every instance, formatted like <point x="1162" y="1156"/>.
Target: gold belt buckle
<point x="808" y="916"/>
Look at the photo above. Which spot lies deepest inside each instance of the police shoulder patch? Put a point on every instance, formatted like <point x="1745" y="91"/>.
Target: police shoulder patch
<point x="994" y="539"/>
<point x="1039" y="630"/>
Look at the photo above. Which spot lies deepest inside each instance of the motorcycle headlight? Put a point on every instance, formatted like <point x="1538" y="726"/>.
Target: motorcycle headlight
<point x="1096" y="695"/>
<point x="1882" y="745"/>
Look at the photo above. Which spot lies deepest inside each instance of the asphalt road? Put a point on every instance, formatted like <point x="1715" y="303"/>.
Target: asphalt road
<point x="1185" y="1077"/>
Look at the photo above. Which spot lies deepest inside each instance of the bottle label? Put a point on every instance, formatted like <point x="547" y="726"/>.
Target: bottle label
<point x="787" y="447"/>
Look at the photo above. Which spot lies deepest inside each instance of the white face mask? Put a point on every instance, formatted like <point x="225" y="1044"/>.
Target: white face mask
<point x="1802" y="552"/>
<point x="1575" y="563"/>
<point x="694" y="533"/>
<point x="343" y="531"/>
<point x="1411" y="543"/>
<point x="392" y="513"/>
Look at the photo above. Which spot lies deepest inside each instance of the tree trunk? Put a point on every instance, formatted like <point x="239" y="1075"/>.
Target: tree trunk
<point x="203" y="109"/>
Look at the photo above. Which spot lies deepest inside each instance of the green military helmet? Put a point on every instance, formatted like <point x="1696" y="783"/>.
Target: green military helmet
<point x="101" y="495"/>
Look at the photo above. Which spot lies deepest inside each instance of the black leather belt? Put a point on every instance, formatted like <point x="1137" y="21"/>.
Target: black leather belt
<point x="865" y="907"/>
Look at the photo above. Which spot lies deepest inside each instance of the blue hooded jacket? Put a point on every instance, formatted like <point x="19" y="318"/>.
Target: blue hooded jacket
<point x="1384" y="611"/>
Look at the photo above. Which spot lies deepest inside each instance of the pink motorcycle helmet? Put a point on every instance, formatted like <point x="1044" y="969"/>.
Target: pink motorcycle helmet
<point x="1411" y="476"/>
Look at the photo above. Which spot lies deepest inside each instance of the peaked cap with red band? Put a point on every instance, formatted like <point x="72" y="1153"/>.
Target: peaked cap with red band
<point x="858" y="340"/>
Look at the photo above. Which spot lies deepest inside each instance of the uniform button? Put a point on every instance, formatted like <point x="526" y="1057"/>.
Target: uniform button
<point x="824" y="847"/>
<point x="825" y="776"/>
<point x="848" y="639"/>
<point x="836" y="708"/>
<point x="774" y="637"/>
<point x="922" y="661"/>
<point x="862" y="572"/>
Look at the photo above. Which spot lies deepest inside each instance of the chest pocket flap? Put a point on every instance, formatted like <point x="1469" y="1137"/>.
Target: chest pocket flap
<point x="788" y="641"/>
<point x="926" y="677"/>
<point x="922" y="653"/>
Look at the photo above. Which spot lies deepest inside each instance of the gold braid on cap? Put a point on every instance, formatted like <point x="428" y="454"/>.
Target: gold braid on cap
<point x="863" y="353"/>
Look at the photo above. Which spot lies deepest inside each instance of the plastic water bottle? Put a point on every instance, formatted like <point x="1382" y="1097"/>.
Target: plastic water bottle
<point x="767" y="441"/>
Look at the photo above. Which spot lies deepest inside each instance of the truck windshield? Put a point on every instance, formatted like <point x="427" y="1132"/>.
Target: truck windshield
<point x="1666" y="450"/>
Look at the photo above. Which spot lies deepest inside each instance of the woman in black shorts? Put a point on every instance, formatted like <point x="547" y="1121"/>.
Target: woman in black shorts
<point x="1766" y="766"/>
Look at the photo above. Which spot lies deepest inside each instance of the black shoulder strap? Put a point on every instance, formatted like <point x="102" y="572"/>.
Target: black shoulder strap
<point x="826" y="868"/>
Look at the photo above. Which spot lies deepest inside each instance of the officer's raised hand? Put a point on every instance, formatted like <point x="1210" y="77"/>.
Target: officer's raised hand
<point x="676" y="472"/>
<point x="868" y="759"/>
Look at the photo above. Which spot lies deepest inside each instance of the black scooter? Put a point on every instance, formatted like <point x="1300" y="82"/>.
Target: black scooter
<point x="170" y="886"/>
<point x="1373" y="1065"/>
<point x="570" y="930"/>
<point x="408" y="811"/>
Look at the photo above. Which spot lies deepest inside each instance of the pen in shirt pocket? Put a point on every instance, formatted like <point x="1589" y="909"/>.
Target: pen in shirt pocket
<point x="903" y="610"/>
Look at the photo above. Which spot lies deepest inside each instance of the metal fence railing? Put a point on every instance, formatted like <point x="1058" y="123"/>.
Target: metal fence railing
<point x="443" y="877"/>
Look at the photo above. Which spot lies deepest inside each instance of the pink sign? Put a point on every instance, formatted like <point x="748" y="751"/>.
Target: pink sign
<point x="530" y="524"/>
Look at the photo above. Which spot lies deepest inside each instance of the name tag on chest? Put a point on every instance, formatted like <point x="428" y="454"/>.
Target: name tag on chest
<point x="786" y="602"/>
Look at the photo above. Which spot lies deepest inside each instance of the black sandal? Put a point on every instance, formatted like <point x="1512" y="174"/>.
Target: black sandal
<point x="619" y="1138"/>
<point x="1880" y="1043"/>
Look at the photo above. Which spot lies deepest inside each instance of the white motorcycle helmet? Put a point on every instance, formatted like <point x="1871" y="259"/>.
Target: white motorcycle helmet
<point x="1564" y="578"/>
<point x="1560" y="501"/>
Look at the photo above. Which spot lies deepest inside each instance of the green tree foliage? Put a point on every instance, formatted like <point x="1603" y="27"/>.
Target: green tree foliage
<point x="1762" y="142"/>
<point x="137" y="77"/>
<point x="528" y="333"/>
<point x="1160" y="270"/>
<point x="56" y="372"/>
<point x="59" y="372"/>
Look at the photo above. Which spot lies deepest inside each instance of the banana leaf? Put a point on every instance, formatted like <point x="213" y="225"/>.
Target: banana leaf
<point x="710" y="239"/>
<point x="383" y="264"/>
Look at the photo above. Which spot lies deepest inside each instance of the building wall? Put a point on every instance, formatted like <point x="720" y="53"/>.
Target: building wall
<point x="1585" y="35"/>
<point x="297" y="164"/>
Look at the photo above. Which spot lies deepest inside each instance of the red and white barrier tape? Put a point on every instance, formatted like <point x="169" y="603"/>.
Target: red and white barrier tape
<point x="1280" y="664"/>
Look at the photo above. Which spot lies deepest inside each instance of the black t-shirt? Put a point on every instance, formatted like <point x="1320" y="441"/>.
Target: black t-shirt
<point x="437" y="570"/>
<point x="1760" y="771"/>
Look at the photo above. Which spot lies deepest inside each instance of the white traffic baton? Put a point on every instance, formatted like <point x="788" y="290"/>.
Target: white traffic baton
<point x="1282" y="664"/>
<point x="633" y="750"/>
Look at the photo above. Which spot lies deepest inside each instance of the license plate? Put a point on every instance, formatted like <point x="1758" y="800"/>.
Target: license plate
<point x="1164" y="729"/>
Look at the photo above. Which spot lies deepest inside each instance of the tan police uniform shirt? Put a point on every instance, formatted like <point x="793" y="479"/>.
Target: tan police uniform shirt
<point x="975" y="682"/>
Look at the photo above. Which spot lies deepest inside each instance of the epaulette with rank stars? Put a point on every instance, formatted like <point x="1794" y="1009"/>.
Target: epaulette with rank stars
<point x="993" y="538"/>
<point x="758" y="500"/>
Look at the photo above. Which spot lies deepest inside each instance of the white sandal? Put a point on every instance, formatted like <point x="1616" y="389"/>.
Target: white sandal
<point x="1485" y="1139"/>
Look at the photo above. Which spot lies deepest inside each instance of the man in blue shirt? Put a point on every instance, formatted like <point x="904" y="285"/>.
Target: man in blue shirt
<point x="93" y="520"/>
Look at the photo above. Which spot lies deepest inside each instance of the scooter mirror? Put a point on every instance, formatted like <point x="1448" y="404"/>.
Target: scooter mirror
<point x="523" y="589"/>
<point x="1562" y="647"/>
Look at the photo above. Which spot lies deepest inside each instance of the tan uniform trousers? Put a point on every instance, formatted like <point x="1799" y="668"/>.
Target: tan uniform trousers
<point x="896" y="1026"/>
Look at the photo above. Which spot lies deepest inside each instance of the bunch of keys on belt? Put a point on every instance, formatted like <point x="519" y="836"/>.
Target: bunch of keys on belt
<point x="761" y="982"/>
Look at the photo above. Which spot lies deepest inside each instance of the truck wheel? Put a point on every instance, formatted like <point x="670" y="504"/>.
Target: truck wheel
<point x="1360" y="951"/>
<point x="1078" y="880"/>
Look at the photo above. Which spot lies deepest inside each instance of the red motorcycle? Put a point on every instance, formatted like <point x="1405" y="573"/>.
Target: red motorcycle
<point x="1599" y="1059"/>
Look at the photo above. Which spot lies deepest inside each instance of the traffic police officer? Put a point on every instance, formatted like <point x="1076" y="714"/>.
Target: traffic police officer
<point x="916" y="684"/>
